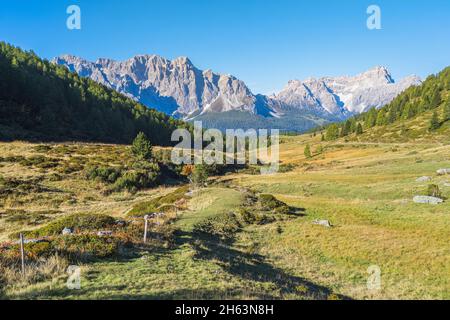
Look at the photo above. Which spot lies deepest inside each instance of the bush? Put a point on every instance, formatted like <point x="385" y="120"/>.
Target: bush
<point x="10" y="186"/>
<point x="76" y="222"/>
<point x="433" y="191"/>
<point x="24" y="217"/>
<point x="40" y="162"/>
<point x="158" y="204"/>
<point x="86" y="246"/>
<point x="135" y="180"/>
<point x="103" y="174"/>
<point x="307" y="151"/>
<point x="42" y="148"/>
<point x="286" y="168"/>
<point x="223" y="226"/>
<point x="246" y="216"/>
<point x="269" y="202"/>
<point x="39" y="270"/>
<point x="200" y="175"/>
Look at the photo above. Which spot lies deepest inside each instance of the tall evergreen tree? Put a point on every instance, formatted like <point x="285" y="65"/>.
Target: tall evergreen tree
<point x="307" y="151"/>
<point x="332" y="132"/>
<point x="142" y="148"/>
<point x="434" y="122"/>
<point x="446" y="115"/>
<point x="43" y="101"/>
<point x="359" y="129"/>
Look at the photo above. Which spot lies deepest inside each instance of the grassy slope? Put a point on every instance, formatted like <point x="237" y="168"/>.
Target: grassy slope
<point x="364" y="185"/>
<point x="365" y="189"/>
<point x="196" y="268"/>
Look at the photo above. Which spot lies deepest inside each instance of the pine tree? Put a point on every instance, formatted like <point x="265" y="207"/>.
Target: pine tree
<point x="142" y="148"/>
<point x="199" y="176"/>
<point x="446" y="116"/>
<point x="307" y="151"/>
<point x="435" y="99"/>
<point x="332" y="132"/>
<point x="381" y="118"/>
<point x="319" y="149"/>
<point x="371" y="118"/>
<point x="359" y="129"/>
<point x="434" y="122"/>
<point x="346" y="128"/>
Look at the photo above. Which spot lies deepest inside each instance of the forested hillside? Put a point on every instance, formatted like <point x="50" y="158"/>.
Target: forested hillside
<point x="430" y="98"/>
<point x="43" y="101"/>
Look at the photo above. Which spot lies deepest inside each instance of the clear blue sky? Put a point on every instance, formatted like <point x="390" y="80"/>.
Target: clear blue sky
<point x="263" y="42"/>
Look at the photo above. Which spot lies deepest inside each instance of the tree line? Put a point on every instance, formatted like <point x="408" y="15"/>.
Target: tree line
<point x="415" y="100"/>
<point x="40" y="100"/>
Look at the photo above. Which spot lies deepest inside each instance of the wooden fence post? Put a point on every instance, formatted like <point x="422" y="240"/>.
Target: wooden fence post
<point x="22" y="254"/>
<point x="145" y="228"/>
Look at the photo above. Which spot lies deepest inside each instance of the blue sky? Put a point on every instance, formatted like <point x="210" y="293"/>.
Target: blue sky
<point x="263" y="42"/>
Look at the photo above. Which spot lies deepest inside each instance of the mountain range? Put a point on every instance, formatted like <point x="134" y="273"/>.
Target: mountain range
<point x="178" y="88"/>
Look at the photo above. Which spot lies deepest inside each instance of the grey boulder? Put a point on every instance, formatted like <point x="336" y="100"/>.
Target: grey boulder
<point x="442" y="172"/>
<point x="423" y="179"/>
<point x="324" y="223"/>
<point x="427" y="200"/>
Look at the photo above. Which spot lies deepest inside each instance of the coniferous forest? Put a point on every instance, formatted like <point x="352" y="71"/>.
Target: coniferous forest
<point x="414" y="101"/>
<point x="42" y="101"/>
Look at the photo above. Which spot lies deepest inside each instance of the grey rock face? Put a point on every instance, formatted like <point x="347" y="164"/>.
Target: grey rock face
<point x="178" y="88"/>
<point x="427" y="200"/>
<point x="345" y="95"/>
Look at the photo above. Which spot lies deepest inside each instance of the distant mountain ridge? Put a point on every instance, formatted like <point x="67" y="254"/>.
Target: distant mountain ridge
<point x="180" y="89"/>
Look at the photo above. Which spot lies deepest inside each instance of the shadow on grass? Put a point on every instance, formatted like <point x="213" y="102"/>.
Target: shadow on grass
<point x="264" y="280"/>
<point x="253" y="267"/>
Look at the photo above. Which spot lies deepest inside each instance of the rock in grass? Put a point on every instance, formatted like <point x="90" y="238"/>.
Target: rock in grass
<point x="427" y="200"/>
<point x="26" y="241"/>
<point x="104" y="233"/>
<point x="446" y="184"/>
<point x="442" y="172"/>
<point x="66" y="231"/>
<point x="423" y="179"/>
<point x="324" y="223"/>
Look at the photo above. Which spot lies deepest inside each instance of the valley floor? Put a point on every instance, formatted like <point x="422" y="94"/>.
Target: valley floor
<point x="364" y="190"/>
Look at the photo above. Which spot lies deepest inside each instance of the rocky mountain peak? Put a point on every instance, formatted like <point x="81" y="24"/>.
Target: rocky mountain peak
<point x="178" y="88"/>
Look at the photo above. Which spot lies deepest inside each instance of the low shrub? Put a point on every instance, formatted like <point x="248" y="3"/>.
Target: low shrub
<point x="76" y="222"/>
<point x="42" y="148"/>
<point x="223" y="226"/>
<point x="135" y="180"/>
<point x="9" y="186"/>
<point x="40" y="162"/>
<point x="35" y="271"/>
<point x="103" y="174"/>
<point x="434" y="191"/>
<point x="286" y="168"/>
<point x="159" y="204"/>
<point x="269" y="202"/>
<point x="85" y="246"/>
<point x="24" y="217"/>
